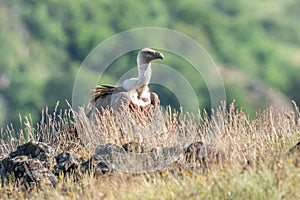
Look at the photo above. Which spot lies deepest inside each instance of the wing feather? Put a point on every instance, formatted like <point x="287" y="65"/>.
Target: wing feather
<point x="102" y="91"/>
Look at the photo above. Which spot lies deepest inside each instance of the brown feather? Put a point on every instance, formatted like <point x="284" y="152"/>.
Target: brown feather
<point x="100" y="91"/>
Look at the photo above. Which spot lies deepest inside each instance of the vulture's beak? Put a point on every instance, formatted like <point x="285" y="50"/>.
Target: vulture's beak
<point x="158" y="55"/>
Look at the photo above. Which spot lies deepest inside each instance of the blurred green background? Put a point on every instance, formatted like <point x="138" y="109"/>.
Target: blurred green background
<point x="256" y="45"/>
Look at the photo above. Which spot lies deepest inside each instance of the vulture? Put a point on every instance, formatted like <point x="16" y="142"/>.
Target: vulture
<point x="134" y="92"/>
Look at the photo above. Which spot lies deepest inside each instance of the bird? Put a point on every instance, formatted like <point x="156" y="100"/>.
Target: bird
<point x="134" y="92"/>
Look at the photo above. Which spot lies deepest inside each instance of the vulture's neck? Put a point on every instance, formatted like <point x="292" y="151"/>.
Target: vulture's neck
<point x="144" y="77"/>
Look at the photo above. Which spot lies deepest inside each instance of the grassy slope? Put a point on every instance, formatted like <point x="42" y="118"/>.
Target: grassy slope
<point x="257" y="166"/>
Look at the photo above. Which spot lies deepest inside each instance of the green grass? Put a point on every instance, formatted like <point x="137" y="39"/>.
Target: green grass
<point x="257" y="165"/>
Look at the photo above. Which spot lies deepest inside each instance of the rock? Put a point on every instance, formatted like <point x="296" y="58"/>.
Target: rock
<point x="294" y="154"/>
<point x="133" y="147"/>
<point x="67" y="162"/>
<point x="102" y="160"/>
<point x="166" y="154"/>
<point x="295" y="149"/>
<point x="32" y="149"/>
<point x="29" y="164"/>
<point x="100" y="167"/>
<point x="107" y="151"/>
<point x="27" y="171"/>
<point x="203" y="154"/>
<point x="157" y="158"/>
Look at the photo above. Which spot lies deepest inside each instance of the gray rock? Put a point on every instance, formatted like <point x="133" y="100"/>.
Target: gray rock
<point x="133" y="147"/>
<point x="102" y="160"/>
<point x="295" y="149"/>
<point x="203" y="154"/>
<point x="67" y="162"/>
<point x="29" y="165"/>
<point x="99" y="167"/>
<point x="107" y="152"/>
<point x="32" y="149"/>
<point x="26" y="171"/>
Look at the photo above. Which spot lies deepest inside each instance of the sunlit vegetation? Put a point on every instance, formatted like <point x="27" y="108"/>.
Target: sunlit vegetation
<point x="257" y="162"/>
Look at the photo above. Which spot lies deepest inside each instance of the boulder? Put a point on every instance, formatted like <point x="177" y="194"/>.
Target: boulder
<point x="26" y="171"/>
<point x="203" y="154"/>
<point x="29" y="165"/>
<point x="102" y="160"/>
<point x="67" y="162"/>
<point x="295" y="149"/>
<point x="33" y="149"/>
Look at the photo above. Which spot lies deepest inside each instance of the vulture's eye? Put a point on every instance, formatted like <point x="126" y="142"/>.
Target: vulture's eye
<point x="149" y="52"/>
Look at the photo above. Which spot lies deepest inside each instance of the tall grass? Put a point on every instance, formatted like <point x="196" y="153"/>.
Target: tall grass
<point x="257" y="165"/>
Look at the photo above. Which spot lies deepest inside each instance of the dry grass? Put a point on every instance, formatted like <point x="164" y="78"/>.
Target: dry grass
<point x="257" y="165"/>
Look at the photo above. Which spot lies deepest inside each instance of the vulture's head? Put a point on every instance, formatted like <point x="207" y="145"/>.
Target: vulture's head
<point x="146" y="55"/>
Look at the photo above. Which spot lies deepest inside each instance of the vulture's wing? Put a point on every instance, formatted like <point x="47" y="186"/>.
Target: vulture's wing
<point x="102" y="91"/>
<point x="107" y="96"/>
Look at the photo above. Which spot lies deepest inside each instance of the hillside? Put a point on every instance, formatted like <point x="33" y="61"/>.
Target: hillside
<point x="43" y="44"/>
